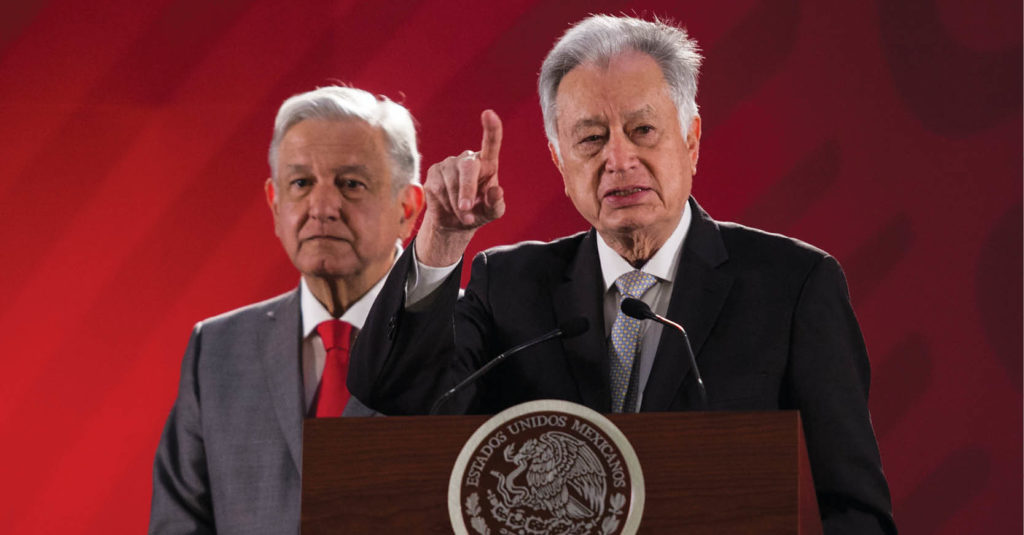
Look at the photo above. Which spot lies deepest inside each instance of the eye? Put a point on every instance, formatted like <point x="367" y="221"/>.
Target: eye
<point x="590" y="143"/>
<point x="644" y="130"/>
<point x="352" y="184"/>
<point x="300" y="183"/>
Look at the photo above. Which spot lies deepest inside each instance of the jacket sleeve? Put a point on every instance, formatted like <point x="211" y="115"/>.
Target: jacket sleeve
<point x="829" y="378"/>
<point x="181" y="486"/>
<point x="402" y="359"/>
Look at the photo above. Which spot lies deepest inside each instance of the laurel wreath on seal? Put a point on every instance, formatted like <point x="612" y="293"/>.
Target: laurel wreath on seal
<point x="609" y="525"/>
<point x="611" y="522"/>
<point x="473" y="510"/>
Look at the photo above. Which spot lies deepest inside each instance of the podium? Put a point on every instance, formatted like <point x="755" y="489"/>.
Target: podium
<point x="705" y="472"/>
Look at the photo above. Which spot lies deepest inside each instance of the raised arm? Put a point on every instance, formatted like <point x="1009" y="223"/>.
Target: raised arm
<point x="463" y="194"/>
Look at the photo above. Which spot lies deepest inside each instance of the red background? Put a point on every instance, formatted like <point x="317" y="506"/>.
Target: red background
<point x="132" y="158"/>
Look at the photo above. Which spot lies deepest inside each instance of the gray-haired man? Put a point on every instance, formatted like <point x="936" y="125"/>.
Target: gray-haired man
<point x="344" y="193"/>
<point x="769" y="316"/>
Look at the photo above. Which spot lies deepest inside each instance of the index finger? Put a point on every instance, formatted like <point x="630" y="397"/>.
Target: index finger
<point x="491" y="143"/>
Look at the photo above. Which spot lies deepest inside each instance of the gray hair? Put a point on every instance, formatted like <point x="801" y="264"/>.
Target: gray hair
<point x="334" y="103"/>
<point x="598" y="38"/>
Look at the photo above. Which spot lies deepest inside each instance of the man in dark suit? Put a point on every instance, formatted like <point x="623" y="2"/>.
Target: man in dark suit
<point x="769" y="316"/>
<point x="344" y="194"/>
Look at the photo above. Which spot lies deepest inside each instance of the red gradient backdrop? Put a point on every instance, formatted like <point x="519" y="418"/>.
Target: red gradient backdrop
<point x="133" y="148"/>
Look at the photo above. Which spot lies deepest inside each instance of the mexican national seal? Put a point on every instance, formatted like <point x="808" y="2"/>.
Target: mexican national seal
<point x="546" y="467"/>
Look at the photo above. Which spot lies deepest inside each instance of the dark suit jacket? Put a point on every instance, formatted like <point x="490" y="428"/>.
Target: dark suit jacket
<point x="230" y="457"/>
<point x="769" y="319"/>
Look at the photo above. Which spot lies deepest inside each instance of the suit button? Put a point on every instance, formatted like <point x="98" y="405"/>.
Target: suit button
<point x="392" y="327"/>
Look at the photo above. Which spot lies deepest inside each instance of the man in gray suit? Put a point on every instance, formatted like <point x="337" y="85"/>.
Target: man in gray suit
<point x="344" y="193"/>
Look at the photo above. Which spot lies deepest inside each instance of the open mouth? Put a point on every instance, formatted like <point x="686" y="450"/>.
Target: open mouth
<point x="626" y="192"/>
<point x="626" y="196"/>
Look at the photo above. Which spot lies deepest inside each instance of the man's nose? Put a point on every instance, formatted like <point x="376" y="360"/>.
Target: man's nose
<point x="325" y="201"/>
<point x="620" y="153"/>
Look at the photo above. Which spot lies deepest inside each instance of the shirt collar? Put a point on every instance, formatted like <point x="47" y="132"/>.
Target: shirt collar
<point x="662" y="265"/>
<point x="314" y="312"/>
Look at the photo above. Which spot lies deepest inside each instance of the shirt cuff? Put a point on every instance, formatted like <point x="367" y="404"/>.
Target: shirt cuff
<point x="424" y="279"/>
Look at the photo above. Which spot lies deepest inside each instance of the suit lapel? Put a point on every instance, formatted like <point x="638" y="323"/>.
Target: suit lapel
<point x="580" y="294"/>
<point x="698" y="294"/>
<point x="279" y="345"/>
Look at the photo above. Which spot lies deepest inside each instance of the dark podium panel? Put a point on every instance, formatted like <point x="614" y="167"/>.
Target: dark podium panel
<point x="705" y="472"/>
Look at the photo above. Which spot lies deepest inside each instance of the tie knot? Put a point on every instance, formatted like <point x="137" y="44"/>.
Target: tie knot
<point x="635" y="283"/>
<point x="335" y="334"/>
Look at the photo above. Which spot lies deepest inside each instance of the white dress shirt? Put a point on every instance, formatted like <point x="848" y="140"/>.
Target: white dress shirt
<point x="663" y="265"/>
<point x="314" y="313"/>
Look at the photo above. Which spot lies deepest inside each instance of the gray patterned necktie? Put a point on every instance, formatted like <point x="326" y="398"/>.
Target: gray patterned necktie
<point x="625" y="339"/>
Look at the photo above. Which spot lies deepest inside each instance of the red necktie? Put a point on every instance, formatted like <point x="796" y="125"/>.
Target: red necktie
<point x="333" y="394"/>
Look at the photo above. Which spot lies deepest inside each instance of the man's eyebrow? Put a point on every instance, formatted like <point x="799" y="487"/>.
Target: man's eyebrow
<point x="644" y="112"/>
<point x="358" y="169"/>
<point x="354" y="169"/>
<point x="641" y="113"/>
<point x="588" y="122"/>
<point x="294" y="168"/>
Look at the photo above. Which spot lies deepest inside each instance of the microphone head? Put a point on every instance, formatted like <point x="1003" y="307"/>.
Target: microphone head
<point x="574" y="327"/>
<point x="636" y="308"/>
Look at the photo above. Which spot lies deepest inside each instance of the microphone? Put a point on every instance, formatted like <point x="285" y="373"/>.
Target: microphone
<point x="568" y="329"/>
<point x="636" y="308"/>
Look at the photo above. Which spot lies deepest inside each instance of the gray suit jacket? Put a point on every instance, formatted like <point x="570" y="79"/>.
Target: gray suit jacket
<point x="230" y="457"/>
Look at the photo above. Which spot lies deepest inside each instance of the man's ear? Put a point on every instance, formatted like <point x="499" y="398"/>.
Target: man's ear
<point x="268" y="188"/>
<point x="558" y="163"/>
<point x="554" y="156"/>
<point x="411" y="201"/>
<point x="693" y="143"/>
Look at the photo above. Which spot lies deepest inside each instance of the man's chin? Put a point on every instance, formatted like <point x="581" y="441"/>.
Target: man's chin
<point x="328" y="269"/>
<point x="627" y="224"/>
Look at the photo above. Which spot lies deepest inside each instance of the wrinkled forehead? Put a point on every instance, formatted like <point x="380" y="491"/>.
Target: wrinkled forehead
<point x="319" y="129"/>
<point x="628" y="85"/>
<point x="333" y="143"/>
<point x="335" y="135"/>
